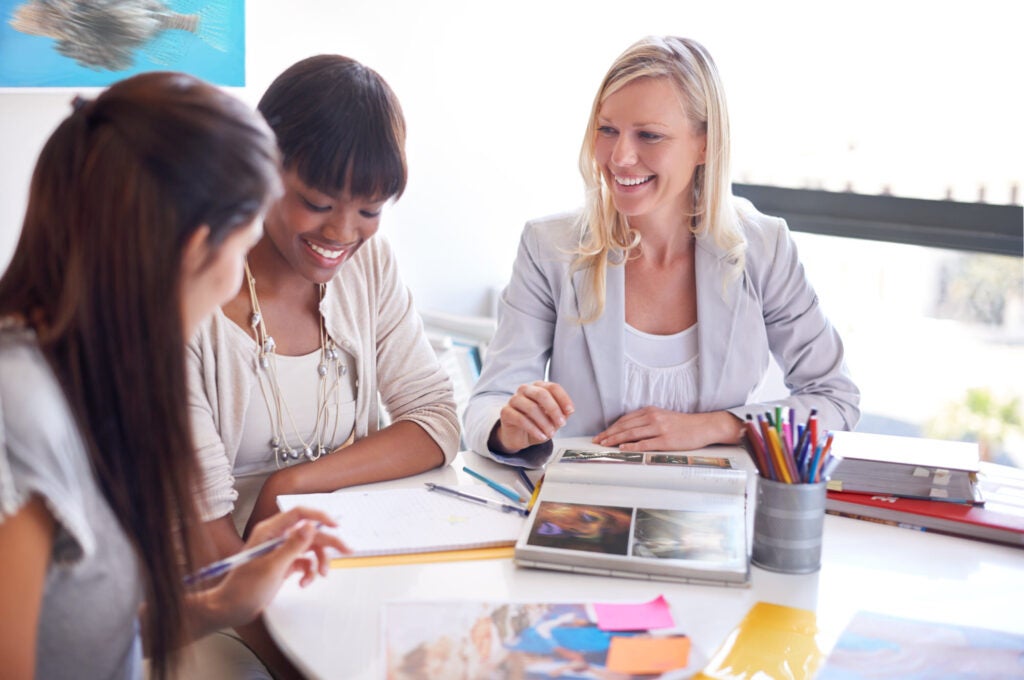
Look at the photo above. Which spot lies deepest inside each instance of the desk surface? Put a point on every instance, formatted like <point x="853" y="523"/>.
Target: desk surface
<point x="332" y="628"/>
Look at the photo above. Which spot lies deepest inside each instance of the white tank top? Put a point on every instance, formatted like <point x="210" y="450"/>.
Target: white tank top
<point x="661" y="370"/>
<point x="299" y="385"/>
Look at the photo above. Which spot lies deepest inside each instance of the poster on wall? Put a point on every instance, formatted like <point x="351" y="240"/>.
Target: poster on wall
<point x="93" y="43"/>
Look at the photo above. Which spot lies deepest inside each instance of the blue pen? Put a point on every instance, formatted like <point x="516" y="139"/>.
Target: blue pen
<point x="813" y="467"/>
<point x="225" y="565"/>
<point x="526" y="479"/>
<point x="503" y="490"/>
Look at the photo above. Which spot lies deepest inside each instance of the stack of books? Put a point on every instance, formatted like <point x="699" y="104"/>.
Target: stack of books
<point x="908" y="467"/>
<point x="926" y="484"/>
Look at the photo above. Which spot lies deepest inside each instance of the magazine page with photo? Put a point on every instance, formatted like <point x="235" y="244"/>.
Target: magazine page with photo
<point x="655" y="515"/>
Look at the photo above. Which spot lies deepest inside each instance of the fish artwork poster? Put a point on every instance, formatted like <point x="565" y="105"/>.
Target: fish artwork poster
<point x="94" y="43"/>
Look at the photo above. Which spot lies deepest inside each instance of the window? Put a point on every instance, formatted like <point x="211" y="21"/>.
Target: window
<point x="928" y="297"/>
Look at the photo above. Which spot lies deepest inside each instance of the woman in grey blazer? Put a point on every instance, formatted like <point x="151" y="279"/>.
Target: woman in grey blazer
<point x="648" y="319"/>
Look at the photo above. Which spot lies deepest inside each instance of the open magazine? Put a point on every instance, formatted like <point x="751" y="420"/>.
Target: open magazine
<point x="657" y="515"/>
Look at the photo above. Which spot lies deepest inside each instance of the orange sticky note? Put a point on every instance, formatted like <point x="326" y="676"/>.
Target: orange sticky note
<point x="646" y="655"/>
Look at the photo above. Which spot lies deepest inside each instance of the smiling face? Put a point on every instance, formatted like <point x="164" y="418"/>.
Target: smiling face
<point x="316" y="232"/>
<point x="648" y="151"/>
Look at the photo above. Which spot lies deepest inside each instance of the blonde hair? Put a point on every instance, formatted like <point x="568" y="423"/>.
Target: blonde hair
<point x="603" y="229"/>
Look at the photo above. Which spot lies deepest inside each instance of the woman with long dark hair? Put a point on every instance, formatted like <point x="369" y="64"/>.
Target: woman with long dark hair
<point x="142" y="206"/>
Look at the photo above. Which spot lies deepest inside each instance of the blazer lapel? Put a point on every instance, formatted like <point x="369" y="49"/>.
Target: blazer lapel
<point x="716" y="322"/>
<point x="604" y="340"/>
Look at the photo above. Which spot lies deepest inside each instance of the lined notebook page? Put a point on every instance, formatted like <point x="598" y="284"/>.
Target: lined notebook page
<point x="410" y="520"/>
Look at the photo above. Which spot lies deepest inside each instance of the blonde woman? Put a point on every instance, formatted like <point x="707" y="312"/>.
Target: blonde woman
<point x="648" y="319"/>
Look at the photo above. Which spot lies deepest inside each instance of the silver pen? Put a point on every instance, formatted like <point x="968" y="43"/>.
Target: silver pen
<point x="225" y="565"/>
<point x="497" y="505"/>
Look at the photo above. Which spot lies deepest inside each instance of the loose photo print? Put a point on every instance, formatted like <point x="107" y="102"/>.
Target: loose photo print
<point x="575" y="526"/>
<point x="685" y="535"/>
<point x="581" y="456"/>
<point x="686" y="459"/>
<point x="491" y="640"/>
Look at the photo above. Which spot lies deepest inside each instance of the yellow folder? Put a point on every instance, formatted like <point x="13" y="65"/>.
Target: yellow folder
<point x="772" y="641"/>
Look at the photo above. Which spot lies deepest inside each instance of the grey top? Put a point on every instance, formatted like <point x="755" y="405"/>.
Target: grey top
<point x="88" y="623"/>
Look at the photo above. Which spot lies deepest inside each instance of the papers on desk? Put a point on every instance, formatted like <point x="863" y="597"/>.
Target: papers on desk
<point x="491" y="640"/>
<point x="878" y="646"/>
<point x="409" y="520"/>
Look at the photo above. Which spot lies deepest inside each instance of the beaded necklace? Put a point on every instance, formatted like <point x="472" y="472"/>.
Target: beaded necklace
<point x="329" y="370"/>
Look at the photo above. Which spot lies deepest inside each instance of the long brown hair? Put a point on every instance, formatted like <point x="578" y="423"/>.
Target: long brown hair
<point x="117" y="191"/>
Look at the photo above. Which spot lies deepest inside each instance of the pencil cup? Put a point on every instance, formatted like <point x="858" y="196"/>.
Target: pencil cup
<point x="788" y="523"/>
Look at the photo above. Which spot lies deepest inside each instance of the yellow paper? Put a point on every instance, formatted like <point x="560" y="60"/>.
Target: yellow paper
<point x="646" y="656"/>
<point x="420" y="558"/>
<point x="772" y="641"/>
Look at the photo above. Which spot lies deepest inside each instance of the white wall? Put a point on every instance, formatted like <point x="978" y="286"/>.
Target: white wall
<point x="496" y="97"/>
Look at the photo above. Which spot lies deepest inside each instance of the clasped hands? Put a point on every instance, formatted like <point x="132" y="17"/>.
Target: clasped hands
<point x="537" y="410"/>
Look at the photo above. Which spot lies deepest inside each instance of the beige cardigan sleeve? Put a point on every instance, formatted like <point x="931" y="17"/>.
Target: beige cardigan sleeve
<point x="214" y="394"/>
<point x="412" y="384"/>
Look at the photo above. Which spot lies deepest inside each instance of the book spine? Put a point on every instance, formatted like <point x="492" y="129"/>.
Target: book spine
<point x="876" y="520"/>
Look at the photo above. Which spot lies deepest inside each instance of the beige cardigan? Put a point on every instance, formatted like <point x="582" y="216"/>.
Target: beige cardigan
<point x="370" y="315"/>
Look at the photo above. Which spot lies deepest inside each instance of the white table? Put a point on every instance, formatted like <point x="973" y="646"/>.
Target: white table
<point x="332" y="628"/>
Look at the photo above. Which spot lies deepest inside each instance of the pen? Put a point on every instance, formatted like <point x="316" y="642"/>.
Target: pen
<point x="769" y="454"/>
<point x="812" y="425"/>
<point x="500" y="488"/>
<point x="526" y="479"/>
<point x="215" y="569"/>
<point x="819" y="472"/>
<point x="497" y="505"/>
<point x="756" y="447"/>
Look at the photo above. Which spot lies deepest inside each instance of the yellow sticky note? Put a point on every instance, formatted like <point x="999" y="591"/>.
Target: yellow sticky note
<point x="646" y="655"/>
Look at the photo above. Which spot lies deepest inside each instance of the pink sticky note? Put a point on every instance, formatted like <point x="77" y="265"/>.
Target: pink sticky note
<point x="644" y="616"/>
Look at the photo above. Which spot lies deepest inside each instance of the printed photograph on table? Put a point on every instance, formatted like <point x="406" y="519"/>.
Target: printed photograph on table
<point x="591" y="528"/>
<point x="489" y="640"/>
<point x="685" y="535"/>
<point x="878" y="646"/>
<point x="93" y="43"/>
<point x="579" y="456"/>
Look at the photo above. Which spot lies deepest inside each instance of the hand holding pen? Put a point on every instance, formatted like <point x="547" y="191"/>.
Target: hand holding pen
<point x="286" y="543"/>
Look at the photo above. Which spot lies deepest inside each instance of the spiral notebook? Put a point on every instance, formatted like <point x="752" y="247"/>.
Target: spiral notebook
<point x="400" y="521"/>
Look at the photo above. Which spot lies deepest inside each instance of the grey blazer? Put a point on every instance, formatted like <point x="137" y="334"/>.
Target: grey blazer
<point x="771" y="308"/>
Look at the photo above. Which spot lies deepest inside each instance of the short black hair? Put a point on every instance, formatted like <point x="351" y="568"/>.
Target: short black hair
<point x="338" y="125"/>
